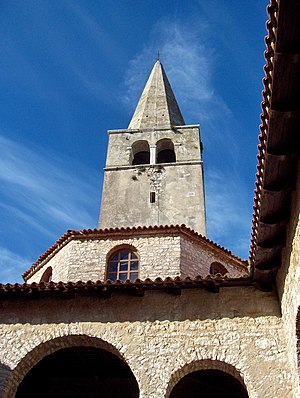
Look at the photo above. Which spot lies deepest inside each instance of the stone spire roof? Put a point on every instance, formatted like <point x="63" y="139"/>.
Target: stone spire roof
<point x="157" y="105"/>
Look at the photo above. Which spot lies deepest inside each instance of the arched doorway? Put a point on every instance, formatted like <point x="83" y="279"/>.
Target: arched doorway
<point x="79" y="371"/>
<point x="209" y="383"/>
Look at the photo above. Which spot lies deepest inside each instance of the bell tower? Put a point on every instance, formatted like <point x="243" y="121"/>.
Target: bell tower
<point x="154" y="168"/>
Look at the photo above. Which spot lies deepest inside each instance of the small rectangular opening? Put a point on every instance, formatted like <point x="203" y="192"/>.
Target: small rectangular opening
<point x="152" y="197"/>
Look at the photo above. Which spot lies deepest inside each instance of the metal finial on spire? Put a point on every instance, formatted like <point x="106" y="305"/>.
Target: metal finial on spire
<point x="158" y="56"/>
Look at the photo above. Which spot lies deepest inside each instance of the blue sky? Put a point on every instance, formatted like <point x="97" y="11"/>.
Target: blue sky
<point x="71" y="70"/>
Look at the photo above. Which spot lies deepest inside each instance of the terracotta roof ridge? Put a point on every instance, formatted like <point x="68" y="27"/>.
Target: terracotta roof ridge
<point x="270" y="41"/>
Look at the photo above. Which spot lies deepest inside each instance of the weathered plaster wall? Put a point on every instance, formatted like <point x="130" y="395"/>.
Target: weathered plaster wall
<point x="178" y="187"/>
<point x="288" y="281"/>
<point x="161" y="337"/>
<point x="160" y="256"/>
<point x="179" y="196"/>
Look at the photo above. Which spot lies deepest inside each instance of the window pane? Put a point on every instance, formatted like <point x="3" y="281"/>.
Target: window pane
<point x="124" y="266"/>
<point x="112" y="276"/>
<point x="123" y="277"/>
<point x="134" y="265"/>
<point x="124" y="255"/>
<point x="113" y="266"/>
<point x="133" y="276"/>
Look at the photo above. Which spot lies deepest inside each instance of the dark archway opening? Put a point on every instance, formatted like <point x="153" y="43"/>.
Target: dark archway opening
<point x="140" y="152"/>
<point x="141" y="158"/>
<point x="166" y="156"/>
<point x="79" y="372"/>
<point x="165" y="151"/>
<point x="209" y="383"/>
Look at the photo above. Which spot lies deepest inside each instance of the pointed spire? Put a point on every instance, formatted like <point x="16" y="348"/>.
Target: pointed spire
<point x="157" y="105"/>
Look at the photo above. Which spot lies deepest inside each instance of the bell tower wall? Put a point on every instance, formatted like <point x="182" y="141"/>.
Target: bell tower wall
<point x="154" y="177"/>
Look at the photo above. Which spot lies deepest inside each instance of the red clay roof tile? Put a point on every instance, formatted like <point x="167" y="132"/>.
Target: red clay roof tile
<point x="52" y="289"/>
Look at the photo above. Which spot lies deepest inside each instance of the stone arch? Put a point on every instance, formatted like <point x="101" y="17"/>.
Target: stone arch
<point x="165" y="152"/>
<point x="44" y="349"/>
<point x="199" y="365"/>
<point x="140" y="152"/>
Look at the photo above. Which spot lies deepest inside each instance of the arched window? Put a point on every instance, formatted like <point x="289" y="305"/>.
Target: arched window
<point x="123" y="265"/>
<point x="217" y="268"/>
<point x="165" y="151"/>
<point x="47" y="275"/>
<point x="140" y="152"/>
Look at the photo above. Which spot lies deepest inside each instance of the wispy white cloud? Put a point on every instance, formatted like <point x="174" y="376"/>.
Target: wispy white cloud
<point x="228" y="209"/>
<point x="188" y="60"/>
<point x="11" y="264"/>
<point x="42" y="195"/>
<point x="54" y="189"/>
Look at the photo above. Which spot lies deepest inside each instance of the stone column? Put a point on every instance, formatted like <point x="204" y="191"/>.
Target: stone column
<point x="152" y="154"/>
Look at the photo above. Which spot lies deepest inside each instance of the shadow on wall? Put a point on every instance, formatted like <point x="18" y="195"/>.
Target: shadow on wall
<point x="194" y="304"/>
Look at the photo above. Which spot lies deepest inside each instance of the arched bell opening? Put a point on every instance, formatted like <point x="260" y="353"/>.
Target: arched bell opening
<point x="209" y="383"/>
<point x="165" y="151"/>
<point x="140" y="152"/>
<point x="79" y="371"/>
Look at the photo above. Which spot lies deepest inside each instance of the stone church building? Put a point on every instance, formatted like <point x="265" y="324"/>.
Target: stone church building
<point x="146" y="305"/>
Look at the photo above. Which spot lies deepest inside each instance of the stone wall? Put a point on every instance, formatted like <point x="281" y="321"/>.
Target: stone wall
<point x="161" y="337"/>
<point x="186" y="140"/>
<point x="178" y="187"/>
<point x="194" y="260"/>
<point x="288" y="281"/>
<point x="87" y="259"/>
<point x="179" y="196"/>
<point x="161" y="256"/>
